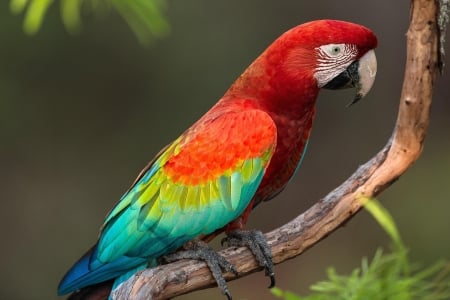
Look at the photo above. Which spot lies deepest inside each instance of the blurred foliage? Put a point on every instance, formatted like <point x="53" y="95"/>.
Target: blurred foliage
<point x="387" y="276"/>
<point x="145" y="17"/>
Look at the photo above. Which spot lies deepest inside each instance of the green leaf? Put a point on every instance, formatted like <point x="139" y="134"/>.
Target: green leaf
<point x="144" y="17"/>
<point x="276" y="292"/>
<point x="35" y="15"/>
<point x="287" y="295"/>
<point x="383" y="218"/>
<point x="386" y="276"/>
<point x="70" y="14"/>
<point x="17" y="6"/>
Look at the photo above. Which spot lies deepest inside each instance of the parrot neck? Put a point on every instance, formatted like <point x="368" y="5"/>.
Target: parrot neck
<point x="278" y="84"/>
<point x="284" y="86"/>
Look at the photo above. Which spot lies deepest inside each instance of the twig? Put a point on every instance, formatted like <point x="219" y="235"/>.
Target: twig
<point x="293" y="238"/>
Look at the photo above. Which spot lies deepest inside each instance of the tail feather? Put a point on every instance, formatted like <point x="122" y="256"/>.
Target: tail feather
<point x="89" y="271"/>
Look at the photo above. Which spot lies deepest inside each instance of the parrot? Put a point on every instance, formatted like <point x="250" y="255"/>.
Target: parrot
<point x="240" y="153"/>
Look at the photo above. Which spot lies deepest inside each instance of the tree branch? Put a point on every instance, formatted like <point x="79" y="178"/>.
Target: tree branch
<point x="293" y="238"/>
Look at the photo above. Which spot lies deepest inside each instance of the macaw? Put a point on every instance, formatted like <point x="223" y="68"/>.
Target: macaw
<point x="242" y="152"/>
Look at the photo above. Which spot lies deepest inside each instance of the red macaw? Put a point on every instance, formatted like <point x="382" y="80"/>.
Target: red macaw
<point x="243" y="151"/>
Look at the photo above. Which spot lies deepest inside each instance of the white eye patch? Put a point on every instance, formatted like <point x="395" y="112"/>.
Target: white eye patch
<point x="332" y="59"/>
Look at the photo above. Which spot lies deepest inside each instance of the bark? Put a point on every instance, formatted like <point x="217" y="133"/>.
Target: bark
<point x="370" y="179"/>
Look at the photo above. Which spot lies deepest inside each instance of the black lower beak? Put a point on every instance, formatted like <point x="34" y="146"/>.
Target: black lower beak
<point x="347" y="79"/>
<point x="360" y="75"/>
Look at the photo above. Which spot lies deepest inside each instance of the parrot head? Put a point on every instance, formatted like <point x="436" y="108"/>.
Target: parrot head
<point x="335" y="54"/>
<point x="327" y="54"/>
<point x="345" y="57"/>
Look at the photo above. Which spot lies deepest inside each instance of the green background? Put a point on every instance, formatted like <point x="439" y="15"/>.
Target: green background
<point x="81" y="115"/>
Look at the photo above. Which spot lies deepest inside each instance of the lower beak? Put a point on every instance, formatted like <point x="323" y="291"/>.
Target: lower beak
<point x="360" y="74"/>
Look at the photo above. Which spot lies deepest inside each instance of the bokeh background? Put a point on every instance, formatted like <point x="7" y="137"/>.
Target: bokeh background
<point x="81" y="115"/>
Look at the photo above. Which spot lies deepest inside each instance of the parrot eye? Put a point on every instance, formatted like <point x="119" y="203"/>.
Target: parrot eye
<point x="332" y="50"/>
<point x="336" y="50"/>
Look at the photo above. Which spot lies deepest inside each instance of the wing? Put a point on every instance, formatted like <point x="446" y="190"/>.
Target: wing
<point x="201" y="182"/>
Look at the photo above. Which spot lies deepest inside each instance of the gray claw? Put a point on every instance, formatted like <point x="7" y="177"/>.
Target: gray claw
<point x="256" y="242"/>
<point x="200" y="250"/>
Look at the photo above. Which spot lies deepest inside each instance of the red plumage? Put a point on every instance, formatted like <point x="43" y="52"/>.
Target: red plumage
<point x="264" y="118"/>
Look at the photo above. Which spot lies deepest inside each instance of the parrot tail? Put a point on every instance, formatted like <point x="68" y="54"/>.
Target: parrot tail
<point x="89" y="271"/>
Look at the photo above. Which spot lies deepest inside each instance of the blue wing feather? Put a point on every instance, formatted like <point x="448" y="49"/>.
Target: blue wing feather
<point x="157" y="216"/>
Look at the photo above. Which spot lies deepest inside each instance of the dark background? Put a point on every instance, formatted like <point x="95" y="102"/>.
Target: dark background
<point x="81" y="115"/>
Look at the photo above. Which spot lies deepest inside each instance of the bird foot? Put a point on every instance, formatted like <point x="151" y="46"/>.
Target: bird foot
<point x="199" y="250"/>
<point x="257" y="243"/>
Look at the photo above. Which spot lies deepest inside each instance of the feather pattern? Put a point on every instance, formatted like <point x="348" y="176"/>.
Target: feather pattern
<point x="241" y="152"/>
<point x="188" y="191"/>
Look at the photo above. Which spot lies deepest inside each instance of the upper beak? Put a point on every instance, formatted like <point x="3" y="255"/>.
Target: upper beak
<point x="360" y="74"/>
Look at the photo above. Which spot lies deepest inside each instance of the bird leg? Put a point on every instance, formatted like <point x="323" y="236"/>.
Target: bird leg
<point x="199" y="250"/>
<point x="257" y="243"/>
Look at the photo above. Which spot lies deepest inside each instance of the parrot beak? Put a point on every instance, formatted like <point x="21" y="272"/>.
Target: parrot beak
<point x="360" y="74"/>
